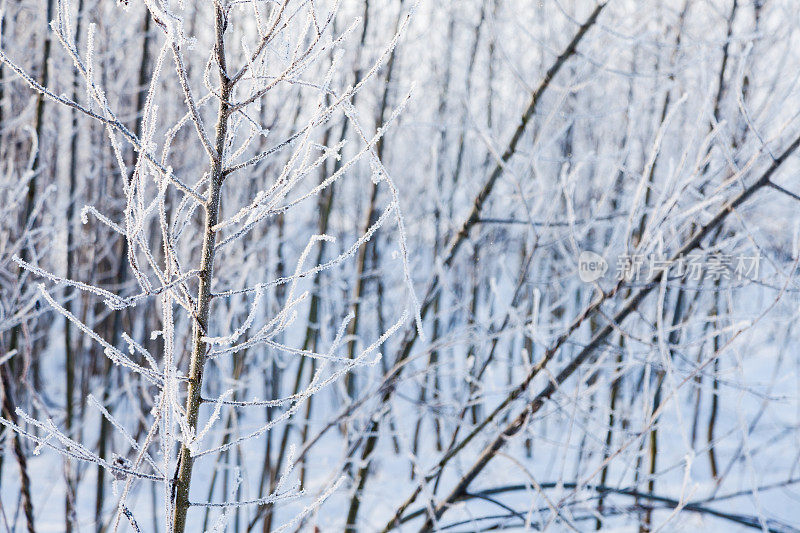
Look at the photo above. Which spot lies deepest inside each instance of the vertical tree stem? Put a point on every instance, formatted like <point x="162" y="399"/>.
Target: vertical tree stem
<point x="206" y="276"/>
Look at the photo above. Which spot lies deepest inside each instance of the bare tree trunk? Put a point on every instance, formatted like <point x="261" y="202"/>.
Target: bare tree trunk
<point x="2" y="112"/>
<point x="205" y="276"/>
<point x="714" y="410"/>
<point x="120" y="278"/>
<point x="9" y="413"/>
<point x="30" y="200"/>
<point x="70" y="475"/>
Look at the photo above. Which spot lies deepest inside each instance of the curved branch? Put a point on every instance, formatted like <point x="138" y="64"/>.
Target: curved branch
<point x="773" y="526"/>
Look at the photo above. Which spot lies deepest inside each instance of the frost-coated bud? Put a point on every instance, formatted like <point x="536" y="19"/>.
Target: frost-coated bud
<point x="120" y="462"/>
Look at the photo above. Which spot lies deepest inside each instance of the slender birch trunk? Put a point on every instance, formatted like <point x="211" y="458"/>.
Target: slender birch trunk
<point x="205" y="276"/>
<point x="70" y="363"/>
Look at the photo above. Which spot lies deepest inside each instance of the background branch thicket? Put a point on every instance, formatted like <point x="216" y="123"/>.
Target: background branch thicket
<point x="298" y="265"/>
